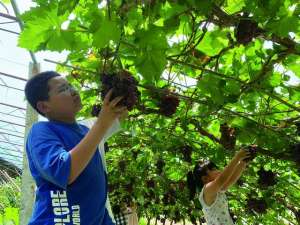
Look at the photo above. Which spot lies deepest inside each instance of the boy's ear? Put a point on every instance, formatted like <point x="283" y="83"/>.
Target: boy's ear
<point x="42" y="106"/>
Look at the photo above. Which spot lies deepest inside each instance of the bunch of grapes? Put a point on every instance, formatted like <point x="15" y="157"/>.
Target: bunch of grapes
<point x="296" y="153"/>
<point x="266" y="178"/>
<point x="96" y="110"/>
<point x="177" y="216"/>
<point x="228" y="138"/>
<point x="135" y="153"/>
<point x="297" y="214"/>
<point x="181" y="185"/>
<point x="253" y="152"/>
<point x="160" y="164"/>
<point x="128" y="188"/>
<point x="106" y="147"/>
<point x="193" y="219"/>
<point x="298" y="127"/>
<point x="122" y="165"/>
<point x="169" y="198"/>
<point x="240" y="182"/>
<point x="233" y="216"/>
<point x="150" y="195"/>
<point x="165" y="199"/>
<point x="150" y="183"/>
<point x="246" y="30"/>
<point x="202" y="220"/>
<point x="123" y="84"/>
<point x="187" y="153"/>
<point x="112" y="187"/>
<point x="168" y="104"/>
<point x="257" y="205"/>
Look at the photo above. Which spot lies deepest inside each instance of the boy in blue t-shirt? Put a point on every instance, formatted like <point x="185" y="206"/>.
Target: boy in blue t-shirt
<point x="63" y="157"/>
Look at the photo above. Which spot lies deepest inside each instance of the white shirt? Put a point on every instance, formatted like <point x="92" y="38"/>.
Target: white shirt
<point x="112" y="130"/>
<point x="217" y="213"/>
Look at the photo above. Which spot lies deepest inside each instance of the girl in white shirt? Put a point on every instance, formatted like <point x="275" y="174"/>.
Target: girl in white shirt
<point x="210" y="185"/>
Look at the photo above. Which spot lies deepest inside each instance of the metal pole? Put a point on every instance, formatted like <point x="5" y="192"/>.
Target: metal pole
<point x="7" y="16"/>
<point x="28" y="185"/>
<point x="17" y="12"/>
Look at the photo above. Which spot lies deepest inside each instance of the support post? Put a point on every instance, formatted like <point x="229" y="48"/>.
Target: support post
<point x="28" y="185"/>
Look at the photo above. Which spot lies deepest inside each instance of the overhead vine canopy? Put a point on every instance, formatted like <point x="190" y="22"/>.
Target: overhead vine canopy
<point x="213" y="75"/>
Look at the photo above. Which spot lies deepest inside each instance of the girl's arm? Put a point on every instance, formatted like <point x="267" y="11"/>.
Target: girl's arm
<point x="238" y="170"/>
<point x="212" y="188"/>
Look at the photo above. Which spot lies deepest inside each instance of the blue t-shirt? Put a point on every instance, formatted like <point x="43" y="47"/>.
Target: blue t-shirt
<point x="57" y="203"/>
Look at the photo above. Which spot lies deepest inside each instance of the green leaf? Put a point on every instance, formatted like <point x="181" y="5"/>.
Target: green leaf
<point x="233" y="87"/>
<point x="293" y="63"/>
<point x="285" y="25"/>
<point x="37" y="31"/>
<point x="134" y="17"/>
<point x="171" y="24"/>
<point x="212" y="86"/>
<point x="213" y="42"/>
<point x="204" y="6"/>
<point x="154" y="39"/>
<point x="66" y="6"/>
<point x="108" y="30"/>
<point x="151" y="64"/>
<point x="233" y="6"/>
<point x="274" y="79"/>
<point x="42" y="25"/>
<point x="151" y="57"/>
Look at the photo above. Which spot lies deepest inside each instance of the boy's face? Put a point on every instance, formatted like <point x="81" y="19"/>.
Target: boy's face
<point x="63" y="103"/>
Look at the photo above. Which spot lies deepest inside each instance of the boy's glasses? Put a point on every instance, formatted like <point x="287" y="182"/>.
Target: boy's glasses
<point x="66" y="89"/>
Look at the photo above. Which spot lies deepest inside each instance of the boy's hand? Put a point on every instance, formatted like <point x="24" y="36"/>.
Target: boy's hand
<point x="110" y="111"/>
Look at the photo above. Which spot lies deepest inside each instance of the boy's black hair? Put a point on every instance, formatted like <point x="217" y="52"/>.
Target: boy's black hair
<point x="194" y="181"/>
<point x="36" y="88"/>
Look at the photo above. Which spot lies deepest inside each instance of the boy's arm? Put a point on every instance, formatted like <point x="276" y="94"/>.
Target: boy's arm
<point x="212" y="188"/>
<point x="82" y="153"/>
<point x="238" y="170"/>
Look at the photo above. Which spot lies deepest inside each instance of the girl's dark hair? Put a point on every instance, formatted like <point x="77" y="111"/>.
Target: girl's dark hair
<point x="194" y="181"/>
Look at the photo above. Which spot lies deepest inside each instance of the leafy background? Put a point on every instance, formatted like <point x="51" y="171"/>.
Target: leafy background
<point x="228" y="61"/>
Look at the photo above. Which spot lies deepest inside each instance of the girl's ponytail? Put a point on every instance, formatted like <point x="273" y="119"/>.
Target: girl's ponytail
<point x="194" y="181"/>
<point x="191" y="183"/>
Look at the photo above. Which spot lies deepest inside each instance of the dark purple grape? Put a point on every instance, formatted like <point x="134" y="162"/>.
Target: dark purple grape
<point x="96" y="110"/>
<point x="187" y="153"/>
<point x="122" y="84"/>
<point x="168" y="105"/>
<point x="160" y="165"/>
<point x="266" y="178"/>
<point x="150" y="183"/>
<point x="253" y="152"/>
<point x="257" y="205"/>
<point x="246" y="30"/>
<point x="296" y="153"/>
<point x="228" y="138"/>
